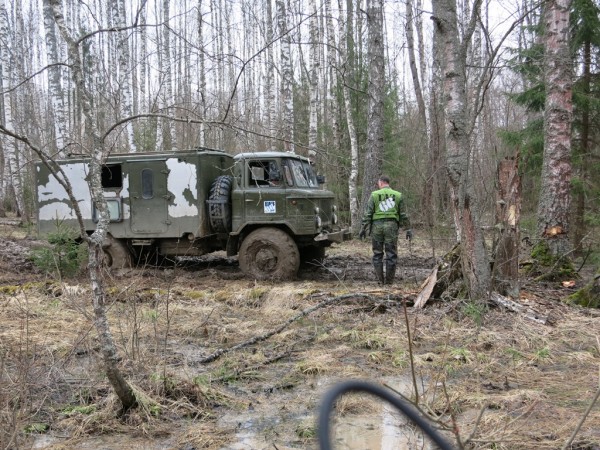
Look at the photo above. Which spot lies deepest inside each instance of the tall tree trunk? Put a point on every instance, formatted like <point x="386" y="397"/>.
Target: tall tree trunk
<point x="169" y="125"/>
<point x="270" y="78"/>
<point x="579" y="210"/>
<point x="124" y="57"/>
<point x="201" y="76"/>
<point x="376" y="90"/>
<point x="553" y="207"/>
<point x="10" y="145"/>
<point x="465" y="204"/>
<point x="314" y="81"/>
<point x="95" y="241"/>
<point x="55" y="88"/>
<point x="346" y="69"/>
<point x="287" y="94"/>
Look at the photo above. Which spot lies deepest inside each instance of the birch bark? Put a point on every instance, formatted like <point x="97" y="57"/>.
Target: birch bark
<point x="55" y="88"/>
<point x="124" y="57"/>
<point x="10" y="145"/>
<point x="465" y="204"/>
<point x="98" y="155"/>
<point x="287" y="98"/>
<point x="376" y="87"/>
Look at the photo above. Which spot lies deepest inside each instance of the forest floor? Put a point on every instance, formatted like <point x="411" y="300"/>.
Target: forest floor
<point x="499" y="379"/>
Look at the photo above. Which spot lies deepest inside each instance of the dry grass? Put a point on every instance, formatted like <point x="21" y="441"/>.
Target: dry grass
<point x="530" y="382"/>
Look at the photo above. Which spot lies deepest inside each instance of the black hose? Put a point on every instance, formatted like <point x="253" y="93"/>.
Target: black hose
<point x="362" y="386"/>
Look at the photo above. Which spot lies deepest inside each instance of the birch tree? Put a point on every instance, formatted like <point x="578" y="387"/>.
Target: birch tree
<point x="287" y="95"/>
<point x="465" y="204"/>
<point x="55" y="87"/>
<point x="98" y="154"/>
<point x="345" y="64"/>
<point x="314" y="81"/>
<point x="124" y="85"/>
<point x="10" y="146"/>
<point x="376" y="91"/>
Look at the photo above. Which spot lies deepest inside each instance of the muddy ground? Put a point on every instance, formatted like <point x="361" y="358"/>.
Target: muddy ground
<point x="492" y="379"/>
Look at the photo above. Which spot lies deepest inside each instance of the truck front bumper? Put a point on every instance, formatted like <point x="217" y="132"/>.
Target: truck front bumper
<point x="335" y="236"/>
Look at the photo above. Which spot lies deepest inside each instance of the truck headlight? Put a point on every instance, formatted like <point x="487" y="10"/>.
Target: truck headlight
<point x="317" y="210"/>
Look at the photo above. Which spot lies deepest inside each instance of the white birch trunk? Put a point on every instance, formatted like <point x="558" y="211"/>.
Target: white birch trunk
<point x="201" y="76"/>
<point x="345" y="64"/>
<point x="376" y="88"/>
<point x="124" y="57"/>
<point x="10" y="145"/>
<point x="314" y="81"/>
<point x="270" y="78"/>
<point x="55" y="89"/>
<point x="169" y="125"/>
<point x="465" y="204"/>
<point x="98" y="155"/>
<point x="287" y="97"/>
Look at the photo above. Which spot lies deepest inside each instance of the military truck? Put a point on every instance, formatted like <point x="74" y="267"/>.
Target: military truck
<point x="269" y="208"/>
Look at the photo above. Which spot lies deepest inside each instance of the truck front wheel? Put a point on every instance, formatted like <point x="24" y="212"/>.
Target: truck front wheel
<point x="269" y="254"/>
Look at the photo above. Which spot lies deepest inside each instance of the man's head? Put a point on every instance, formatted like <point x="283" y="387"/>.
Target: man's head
<point x="383" y="181"/>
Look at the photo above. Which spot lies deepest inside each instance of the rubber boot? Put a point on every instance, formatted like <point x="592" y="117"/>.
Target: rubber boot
<point x="379" y="272"/>
<point x="390" y="273"/>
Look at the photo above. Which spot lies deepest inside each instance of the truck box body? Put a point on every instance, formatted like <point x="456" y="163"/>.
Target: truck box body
<point x="262" y="204"/>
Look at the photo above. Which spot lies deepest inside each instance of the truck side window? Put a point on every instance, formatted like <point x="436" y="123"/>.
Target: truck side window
<point x="147" y="184"/>
<point x="258" y="174"/>
<point x="112" y="176"/>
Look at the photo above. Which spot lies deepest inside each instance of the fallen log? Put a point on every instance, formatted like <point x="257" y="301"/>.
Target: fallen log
<point x="511" y="305"/>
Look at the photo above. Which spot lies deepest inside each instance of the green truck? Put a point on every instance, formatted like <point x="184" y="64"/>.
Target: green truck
<point x="266" y="207"/>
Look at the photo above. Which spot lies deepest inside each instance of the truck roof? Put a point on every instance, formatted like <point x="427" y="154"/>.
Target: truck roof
<point x="270" y="154"/>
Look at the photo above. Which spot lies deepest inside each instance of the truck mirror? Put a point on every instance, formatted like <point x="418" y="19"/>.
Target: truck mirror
<point x="321" y="179"/>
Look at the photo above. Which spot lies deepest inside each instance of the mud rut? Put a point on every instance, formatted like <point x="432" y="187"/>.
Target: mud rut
<point x="352" y="268"/>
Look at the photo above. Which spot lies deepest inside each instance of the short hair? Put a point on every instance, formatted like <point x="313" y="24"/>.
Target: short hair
<point x="384" y="179"/>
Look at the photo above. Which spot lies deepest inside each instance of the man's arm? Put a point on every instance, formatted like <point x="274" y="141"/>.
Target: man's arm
<point x="367" y="218"/>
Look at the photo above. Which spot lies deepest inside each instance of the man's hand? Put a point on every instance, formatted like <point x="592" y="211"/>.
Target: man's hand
<point x="409" y="234"/>
<point x="363" y="232"/>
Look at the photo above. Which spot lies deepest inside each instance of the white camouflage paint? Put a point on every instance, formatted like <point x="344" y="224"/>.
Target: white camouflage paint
<point x="182" y="177"/>
<point x="61" y="206"/>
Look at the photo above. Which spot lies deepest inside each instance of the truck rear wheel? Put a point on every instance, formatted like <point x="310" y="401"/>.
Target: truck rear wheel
<point x="269" y="254"/>
<point x="116" y="254"/>
<point x="219" y="204"/>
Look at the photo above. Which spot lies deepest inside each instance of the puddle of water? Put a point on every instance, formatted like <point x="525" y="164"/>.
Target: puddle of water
<point x="384" y="429"/>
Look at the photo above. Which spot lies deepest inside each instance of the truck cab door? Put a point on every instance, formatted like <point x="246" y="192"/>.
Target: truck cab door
<point x="148" y="197"/>
<point x="264" y="193"/>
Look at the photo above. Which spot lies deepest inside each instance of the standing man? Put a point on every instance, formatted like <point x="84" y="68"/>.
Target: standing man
<point x="384" y="215"/>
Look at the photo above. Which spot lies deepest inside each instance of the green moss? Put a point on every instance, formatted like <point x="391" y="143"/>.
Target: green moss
<point x="548" y="267"/>
<point x="587" y="297"/>
<point x="542" y="255"/>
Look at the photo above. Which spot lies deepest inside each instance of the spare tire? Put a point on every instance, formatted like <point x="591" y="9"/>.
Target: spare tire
<point x="219" y="204"/>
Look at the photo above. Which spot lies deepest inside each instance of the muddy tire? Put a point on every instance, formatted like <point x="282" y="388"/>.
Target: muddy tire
<point x="116" y="254"/>
<point x="269" y="254"/>
<point x="219" y="204"/>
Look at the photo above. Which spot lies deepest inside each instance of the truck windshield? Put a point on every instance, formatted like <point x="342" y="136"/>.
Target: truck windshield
<point x="304" y="175"/>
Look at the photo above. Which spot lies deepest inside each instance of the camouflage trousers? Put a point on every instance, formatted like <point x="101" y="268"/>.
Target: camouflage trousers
<point x="384" y="236"/>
